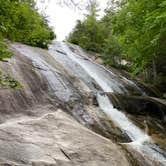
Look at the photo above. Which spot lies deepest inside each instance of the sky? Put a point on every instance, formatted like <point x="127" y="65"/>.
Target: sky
<point x="62" y="18"/>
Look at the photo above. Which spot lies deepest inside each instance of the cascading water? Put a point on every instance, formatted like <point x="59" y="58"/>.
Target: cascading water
<point x="140" y="140"/>
<point x="107" y="83"/>
<point x="83" y="54"/>
<point x="121" y="120"/>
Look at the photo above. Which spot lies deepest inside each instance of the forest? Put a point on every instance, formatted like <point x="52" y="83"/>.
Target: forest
<point x="130" y="30"/>
<point x="21" y="22"/>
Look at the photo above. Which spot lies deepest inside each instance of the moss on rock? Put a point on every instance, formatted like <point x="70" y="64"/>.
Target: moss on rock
<point x="6" y="81"/>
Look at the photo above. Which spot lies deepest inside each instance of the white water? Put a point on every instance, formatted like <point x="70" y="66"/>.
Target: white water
<point x="141" y="141"/>
<point x="121" y="120"/>
<point x="98" y="74"/>
<point x="82" y="53"/>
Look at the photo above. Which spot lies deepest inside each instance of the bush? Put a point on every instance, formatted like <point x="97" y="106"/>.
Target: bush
<point x="20" y="21"/>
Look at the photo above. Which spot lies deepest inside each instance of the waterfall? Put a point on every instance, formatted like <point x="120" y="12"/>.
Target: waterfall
<point x="108" y="85"/>
<point x="121" y="120"/>
<point x="105" y="81"/>
<point x="140" y="140"/>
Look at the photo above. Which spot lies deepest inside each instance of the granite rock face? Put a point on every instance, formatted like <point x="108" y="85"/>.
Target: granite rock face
<point x="57" y="119"/>
<point x="37" y="128"/>
<point x="55" y="139"/>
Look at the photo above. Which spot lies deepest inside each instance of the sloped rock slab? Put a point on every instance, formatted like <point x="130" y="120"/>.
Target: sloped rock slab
<point x="55" y="139"/>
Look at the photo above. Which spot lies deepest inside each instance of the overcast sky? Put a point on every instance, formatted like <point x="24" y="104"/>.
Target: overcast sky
<point x="63" y="18"/>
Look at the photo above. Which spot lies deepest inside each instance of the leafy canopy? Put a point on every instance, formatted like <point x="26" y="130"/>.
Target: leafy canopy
<point x="89" y="33"/>
<point x="132" y="30"/>
<point x="20" y="21"/>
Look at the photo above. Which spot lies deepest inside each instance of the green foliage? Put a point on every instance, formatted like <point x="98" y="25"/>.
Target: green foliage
<point x="132" y="30"/>
<point x="4" y="52"/>
<point x="89" y="33"/>
<point x="140" y="27"/>
<point x="20" y="21"/>
<point x="140" y="30"/>
<point x="6" y="81"/>
<point x="111" y="51"/>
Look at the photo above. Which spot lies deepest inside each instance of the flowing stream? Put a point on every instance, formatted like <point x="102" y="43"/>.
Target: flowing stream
<point x="121" y="120"/>
<point x="108" y="82"/>
<point x="140" y="140"/>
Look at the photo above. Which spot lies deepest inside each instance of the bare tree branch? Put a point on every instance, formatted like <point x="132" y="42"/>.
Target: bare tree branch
<point x="76" y="4"/>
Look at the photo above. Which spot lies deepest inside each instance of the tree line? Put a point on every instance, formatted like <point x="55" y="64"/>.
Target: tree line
<point x="20" y="21"/>
<point x="130" y="29"/>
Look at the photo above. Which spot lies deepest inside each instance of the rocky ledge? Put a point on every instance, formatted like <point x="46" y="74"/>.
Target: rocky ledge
<point x="36" y="126"/>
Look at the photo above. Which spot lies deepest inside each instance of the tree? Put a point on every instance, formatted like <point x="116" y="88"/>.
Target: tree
<point x="131" y="29"/>
<point x="89" y="33"/>
<point x="138" y="33"/>
<point x="20" y="21"/>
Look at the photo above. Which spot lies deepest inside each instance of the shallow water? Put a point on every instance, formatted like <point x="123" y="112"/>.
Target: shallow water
<point x="90" y="73"/>
<point x="111" y="83"/>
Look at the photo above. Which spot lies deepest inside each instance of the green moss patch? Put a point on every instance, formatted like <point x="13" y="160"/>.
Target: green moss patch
<point x="6" y="81"/>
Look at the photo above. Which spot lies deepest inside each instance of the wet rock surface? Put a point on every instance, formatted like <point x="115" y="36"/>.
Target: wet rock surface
<point x="55" y="139"/>
<point x="56" y="119"/>
<point x="146" y="112"/>
<point x="140" y="105"/>
<point x="36" y="123"/>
